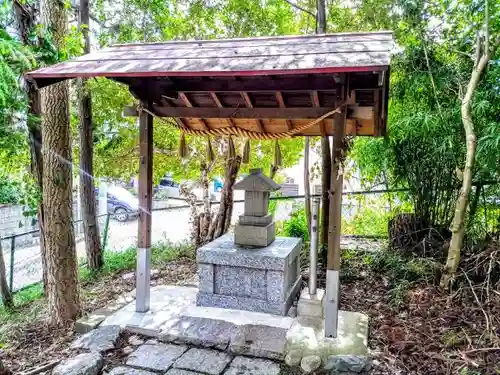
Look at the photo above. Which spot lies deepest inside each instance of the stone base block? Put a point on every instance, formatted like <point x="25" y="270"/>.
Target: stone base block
<point x="307" y="337"/>
<point x="311" y="305"/>
<point x="249" y="304"/>
<point x="249" y="235"/>
<point x="254" y="279"/>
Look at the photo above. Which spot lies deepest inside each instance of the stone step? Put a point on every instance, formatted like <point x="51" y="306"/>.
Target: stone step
<point x="244" y="332"/>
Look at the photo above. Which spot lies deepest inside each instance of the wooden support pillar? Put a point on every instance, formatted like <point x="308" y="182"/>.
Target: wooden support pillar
<point x="334" y="228"/>
<point x="143" y="272"/>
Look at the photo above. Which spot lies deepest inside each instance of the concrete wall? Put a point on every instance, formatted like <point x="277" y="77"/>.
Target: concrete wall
<point x="12" y="221"/>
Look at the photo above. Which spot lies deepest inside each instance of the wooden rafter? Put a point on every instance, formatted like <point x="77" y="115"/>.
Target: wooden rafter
<point x="188" y="103"/>
<point x="316" y="104"/>
<point x="281" y="103"/>
<point x="218" y="103"/>
<point x="249" y="104"/>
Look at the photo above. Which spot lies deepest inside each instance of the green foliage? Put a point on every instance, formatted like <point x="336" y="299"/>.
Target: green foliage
<point x="14" y="59"/>
<point x="9" y="191"/>
<point x="425" y="146"/>
<point x="296" y="225"/>
<point x="369" y="214"/>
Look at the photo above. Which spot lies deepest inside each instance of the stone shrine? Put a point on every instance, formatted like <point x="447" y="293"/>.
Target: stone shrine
<point x="251" y="270"/>
<point x="255" y="226"/>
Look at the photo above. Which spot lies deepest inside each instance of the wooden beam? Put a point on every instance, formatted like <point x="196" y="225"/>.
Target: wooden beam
<point x="256" y="84"/>
<point x="363" y="113"/>
<point x="281" y="103"/>
<point x="316" y="104"/>
<point x="188" y="103"/>
<point x="179" y="121"/>
<point x="145" y="193"/>
<point x="218" y="103"/>
<point x="249" y="104"/>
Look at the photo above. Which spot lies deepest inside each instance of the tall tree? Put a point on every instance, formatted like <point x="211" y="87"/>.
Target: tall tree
<point x="87" y="194"/>
<point x="26" y="15"/>
<point x="60" y="252"/>
<point x="484" y="52"/>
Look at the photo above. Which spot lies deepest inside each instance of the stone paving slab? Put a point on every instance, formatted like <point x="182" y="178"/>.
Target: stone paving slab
<point x="166" y="303"/>
<point x="252" y="366"/>
<point x="157" y="357"/>
<point x="208" y="361"/>
<point x="122" y="370"/>
<point x="178" y="371"/>
<point x="89" y="322"/>
<point x="206" y="332"/>
<point x="101" y="339"/>
<point x="82" y="364"/>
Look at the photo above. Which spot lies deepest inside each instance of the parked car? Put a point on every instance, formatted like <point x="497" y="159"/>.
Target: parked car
<point x="168" y="187"/>
<point x="121" y="203"/>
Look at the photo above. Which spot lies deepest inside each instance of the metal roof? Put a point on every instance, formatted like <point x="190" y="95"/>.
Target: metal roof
<point x="327" y="53"/>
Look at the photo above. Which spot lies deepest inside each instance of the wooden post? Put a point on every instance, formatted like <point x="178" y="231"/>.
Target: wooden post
<point x="334" y="229"/>
<point x="143" y="273"/>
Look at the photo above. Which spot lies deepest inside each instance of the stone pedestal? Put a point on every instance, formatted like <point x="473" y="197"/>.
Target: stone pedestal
<point x="311" y="305"/>
<point x="263" y="279"/>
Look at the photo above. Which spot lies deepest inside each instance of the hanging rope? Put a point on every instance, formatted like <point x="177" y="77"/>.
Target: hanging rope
<point x="243" y="133"/>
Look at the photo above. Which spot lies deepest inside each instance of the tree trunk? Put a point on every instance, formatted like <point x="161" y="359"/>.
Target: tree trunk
<point x="87" y="191"/>
<point x="474" y="204"/>
<point x="326" y="159"/>
<point x="26" y="22"/>
<point x="190" y="198"/>
<point x="223" y="218"/>
<point x="458" y="227"/>
<point x="307" y="185"/>
<point x="205" y="223"/>
<point x="62" y="287"/>
<point x="320" y="17"/>
<point x="4" y="286"/>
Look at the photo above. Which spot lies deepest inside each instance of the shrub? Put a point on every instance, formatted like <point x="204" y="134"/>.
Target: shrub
<point x="9" y="191"/>
<point x="296" y="225"/>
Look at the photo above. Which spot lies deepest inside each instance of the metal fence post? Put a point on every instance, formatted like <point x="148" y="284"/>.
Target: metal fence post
<point x="313" y="252"/>
<point x="105" y="234"/>
<point x="11" y="275"/>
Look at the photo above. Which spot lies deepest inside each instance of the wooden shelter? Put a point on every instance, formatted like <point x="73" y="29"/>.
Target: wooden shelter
<point x="261" y="88"/>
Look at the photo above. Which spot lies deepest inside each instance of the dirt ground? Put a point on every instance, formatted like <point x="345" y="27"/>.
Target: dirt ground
<point x="431" y="333"/>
